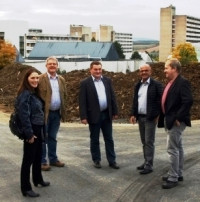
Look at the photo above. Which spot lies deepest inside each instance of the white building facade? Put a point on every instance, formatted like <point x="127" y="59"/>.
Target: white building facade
<point x="126" y="41"/>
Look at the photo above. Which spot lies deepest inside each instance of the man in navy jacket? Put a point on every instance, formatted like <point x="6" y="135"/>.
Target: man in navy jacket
<point x="145" y="110"/>
<point x="98" y="108"/>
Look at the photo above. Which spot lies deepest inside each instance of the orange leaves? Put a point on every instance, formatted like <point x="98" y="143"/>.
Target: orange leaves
<point x="7" y="53"/>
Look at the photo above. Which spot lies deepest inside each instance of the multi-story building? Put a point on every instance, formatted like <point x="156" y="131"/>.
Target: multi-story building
<point x="105" y="34"/>
<point x="126" y="41"/>
<point x="81" y="31"/>
<point x="176" y="29"/>
<point x="28" y="41"/>
<point x="77" y="33"/>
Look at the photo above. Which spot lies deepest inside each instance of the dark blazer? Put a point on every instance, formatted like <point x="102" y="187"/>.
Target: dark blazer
<point x="154" y="94"/>
<point x="88" y="100"/>
<point x="178" y="103"/>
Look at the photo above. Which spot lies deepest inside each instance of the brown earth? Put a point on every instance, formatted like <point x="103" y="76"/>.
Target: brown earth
<point x="10" y="77"/>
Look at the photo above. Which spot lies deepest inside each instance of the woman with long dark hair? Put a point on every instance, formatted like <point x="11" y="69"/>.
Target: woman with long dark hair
<point x="31" y="115"/>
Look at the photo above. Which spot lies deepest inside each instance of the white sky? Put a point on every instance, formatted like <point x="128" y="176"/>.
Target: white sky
<point x="139" y="17"/>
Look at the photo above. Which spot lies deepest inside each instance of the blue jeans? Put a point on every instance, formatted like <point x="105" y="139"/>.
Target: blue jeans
<point x="147" y="134"/>
<point x="105" y="125"/>
<point x="50" y="143"/>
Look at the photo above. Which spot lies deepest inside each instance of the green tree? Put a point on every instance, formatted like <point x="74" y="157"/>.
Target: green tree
<point x="93" y="39"/>
<point x="119" y="50"/>
<point x="185" y="53"/>
<point x="7" y="53"/>
<point x="136" y="56"/>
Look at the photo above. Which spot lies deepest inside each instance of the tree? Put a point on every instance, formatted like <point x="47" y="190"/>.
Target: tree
<point x="93" y="39"/>
<point x="136" y="56"/>
<point x="119" y="50"/>
<point x="7" y="53"/>
<point x="185" y="53"/>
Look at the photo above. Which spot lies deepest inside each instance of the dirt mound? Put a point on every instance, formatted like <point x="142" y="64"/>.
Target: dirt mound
<point x="10" y="77"/>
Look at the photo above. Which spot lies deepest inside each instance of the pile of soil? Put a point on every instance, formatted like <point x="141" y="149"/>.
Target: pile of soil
<point x="10" y="77"/>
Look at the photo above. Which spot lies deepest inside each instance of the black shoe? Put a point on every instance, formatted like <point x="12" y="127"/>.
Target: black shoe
<point x="140" y="167"/>
<point x="146" y="171"/>
<point x="97" y="164"/>
<point x="43" y="184"/>
<point x="165" y="178"/>
<point x="114" y="165"/>
<point x="169" y="184"/>
<point x="30" y="193"/>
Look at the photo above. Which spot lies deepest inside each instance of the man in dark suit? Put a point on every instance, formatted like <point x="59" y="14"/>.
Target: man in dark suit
<point x="176" y="103"/>
<point x="98" y="107"/>
<point x="146" y="109"/>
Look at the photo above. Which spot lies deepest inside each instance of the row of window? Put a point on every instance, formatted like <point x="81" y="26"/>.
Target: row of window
<point x="193" y="28"/>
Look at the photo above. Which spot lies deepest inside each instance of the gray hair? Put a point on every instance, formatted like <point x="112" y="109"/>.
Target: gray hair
<point x="51" y="58"/>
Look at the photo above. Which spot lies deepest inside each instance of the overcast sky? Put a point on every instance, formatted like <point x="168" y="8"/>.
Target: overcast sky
<point x="139" y="17"/>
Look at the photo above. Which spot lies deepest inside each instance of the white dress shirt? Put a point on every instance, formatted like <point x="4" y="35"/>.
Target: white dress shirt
<point x="142" y="97"/>
<point x="55" y="97"/>
<point x="101" y="92"/>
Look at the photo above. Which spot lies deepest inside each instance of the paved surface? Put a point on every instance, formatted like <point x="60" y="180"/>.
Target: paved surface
<point x="79" y="181"/>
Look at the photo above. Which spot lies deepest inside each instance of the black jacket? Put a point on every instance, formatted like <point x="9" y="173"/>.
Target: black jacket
<point x="178" y="103"/>
<point x="31" y="111"/>
<point x="88" y="100"/>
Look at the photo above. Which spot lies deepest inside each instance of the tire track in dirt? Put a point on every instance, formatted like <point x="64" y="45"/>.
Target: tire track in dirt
<point x="148" y="188"/>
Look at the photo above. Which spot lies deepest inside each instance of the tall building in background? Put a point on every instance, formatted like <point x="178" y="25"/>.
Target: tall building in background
<point x="81" y="31"/>
<point x="105" y="32"/>
<point x="126" y="41"/>
<point x="176" y="29"/>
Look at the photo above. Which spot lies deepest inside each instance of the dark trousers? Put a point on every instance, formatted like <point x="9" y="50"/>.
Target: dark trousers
<point x="147" y="134"/>
<point x="105" y="125"/>
<point x="32" y="156"/>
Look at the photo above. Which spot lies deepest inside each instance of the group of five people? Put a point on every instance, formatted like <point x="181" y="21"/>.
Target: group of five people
<point x="41" y="102"/>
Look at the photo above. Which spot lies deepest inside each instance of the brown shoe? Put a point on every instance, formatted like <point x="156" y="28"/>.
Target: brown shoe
<point x="45" y="167"/>
<point x="57" y="164"/>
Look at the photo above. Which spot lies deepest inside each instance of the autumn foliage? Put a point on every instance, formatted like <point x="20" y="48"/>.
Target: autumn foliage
<point x="7" y="53"/>
<point x="185" y="53"/>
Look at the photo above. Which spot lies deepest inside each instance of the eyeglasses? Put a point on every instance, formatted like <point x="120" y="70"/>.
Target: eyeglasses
<point x="51" y="63"/>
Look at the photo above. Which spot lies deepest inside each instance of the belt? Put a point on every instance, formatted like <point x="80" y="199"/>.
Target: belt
<point x="57" y="110"/>
<point x="105" y="110"/>
<point x="142" y="115"/>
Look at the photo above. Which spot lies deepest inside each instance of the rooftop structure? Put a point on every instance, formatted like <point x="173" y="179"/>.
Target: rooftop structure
<point x="78" y="51"/>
